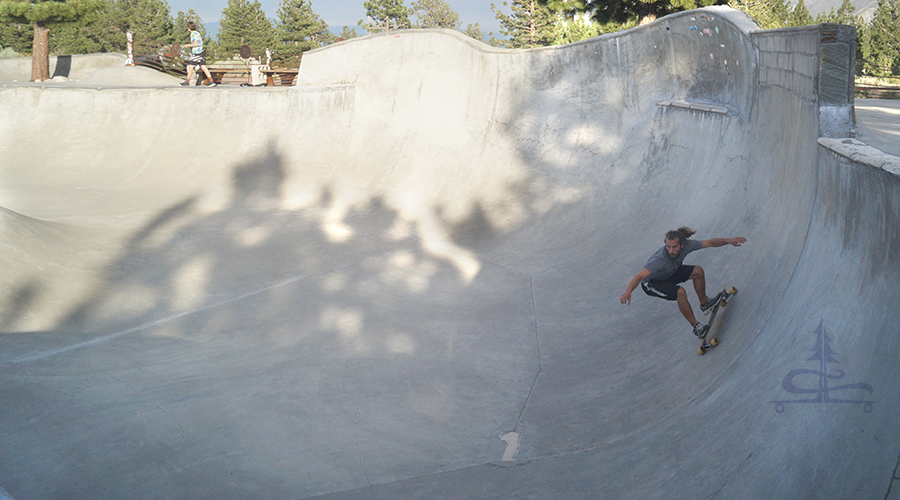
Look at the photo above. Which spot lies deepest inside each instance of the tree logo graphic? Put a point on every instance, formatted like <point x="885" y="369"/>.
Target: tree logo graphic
<point x="816" y="382"/>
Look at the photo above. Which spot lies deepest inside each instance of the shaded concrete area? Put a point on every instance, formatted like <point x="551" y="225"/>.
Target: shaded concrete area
<point x="400" y="279"/>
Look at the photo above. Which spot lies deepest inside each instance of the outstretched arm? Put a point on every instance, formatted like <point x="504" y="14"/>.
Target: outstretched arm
<point x="626" y="297"/>
<point x="719" y="242"/>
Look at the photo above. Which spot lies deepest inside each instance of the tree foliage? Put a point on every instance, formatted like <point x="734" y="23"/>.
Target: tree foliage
<point x="799" y="15"/>
<point x="768" y="14"/>
<point x="528" y="25"/>
<point x="475" y="31"/>
<point x="44" y="15"/>
<point x="435" y="14"/>
<point x="348" y="33"/>
<point x="883" y="44"/>
<point x="384" y="16"/>
<point x="626" y="11"/>
<point x="245" y="23"/>
<point x="17" y="36"/>
<point x="299" y="28"/>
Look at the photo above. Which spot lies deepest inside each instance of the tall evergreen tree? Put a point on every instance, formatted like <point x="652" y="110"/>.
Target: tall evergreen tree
<point x="574" y="29"/>
<point x="475" y="31"/>
<point x="299" y="28"/>
<point x="348" y="33"/>
<point x="245" y="23"/>
<point x="435" y="14"/>
<point x="768" y="14"/>
<point x="799" y="15"/>
<point x="844" y="15"/>
<point x="384" y="16"/>
<point x="884" y="37"/>
<point x="530" y="24"/>
<point x="149" y="19"/>
<point x="44" y="15"/>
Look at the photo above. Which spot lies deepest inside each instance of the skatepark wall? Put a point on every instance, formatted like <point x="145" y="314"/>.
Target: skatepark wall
<point x="558" y="169"/>
<point x="74" y="67"/>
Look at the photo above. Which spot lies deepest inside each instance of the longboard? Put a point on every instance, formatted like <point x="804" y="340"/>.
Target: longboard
<point x="723" y="301"/>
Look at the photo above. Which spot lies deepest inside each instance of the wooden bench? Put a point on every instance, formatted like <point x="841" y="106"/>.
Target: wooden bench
<point x="218" y="73"/>
<point x="285" y="76"/>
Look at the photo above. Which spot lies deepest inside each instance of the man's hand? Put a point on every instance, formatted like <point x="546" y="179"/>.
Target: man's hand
<point x="625" y="299"/>
<point x="737" y="241"/>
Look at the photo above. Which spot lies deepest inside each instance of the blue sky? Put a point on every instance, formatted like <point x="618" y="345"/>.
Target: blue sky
<point x="347" y="12"/>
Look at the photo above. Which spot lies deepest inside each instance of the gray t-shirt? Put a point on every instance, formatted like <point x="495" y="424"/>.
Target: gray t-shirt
<point x="661" y="265"/>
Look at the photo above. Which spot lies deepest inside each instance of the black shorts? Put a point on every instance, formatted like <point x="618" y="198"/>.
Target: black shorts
<point x="668" y="288"/>
<point x="197" y="59"/>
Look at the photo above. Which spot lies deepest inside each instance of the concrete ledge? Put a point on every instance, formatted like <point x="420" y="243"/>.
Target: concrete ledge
<point x="861" y="152"/>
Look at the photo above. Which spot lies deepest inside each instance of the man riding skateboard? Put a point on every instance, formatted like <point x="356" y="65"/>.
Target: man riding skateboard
<point x="664" y="271"/>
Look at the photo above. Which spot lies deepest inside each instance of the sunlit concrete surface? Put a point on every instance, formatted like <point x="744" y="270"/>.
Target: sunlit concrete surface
<point x="401" y="278"/>
<point x="878" y="123"/>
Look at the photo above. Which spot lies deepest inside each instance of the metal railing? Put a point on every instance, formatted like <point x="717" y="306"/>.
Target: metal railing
<point x="151" y="54"/>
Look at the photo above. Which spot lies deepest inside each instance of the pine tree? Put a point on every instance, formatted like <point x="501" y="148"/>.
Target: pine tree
<point x="799" y="15"/>
<point x="530" y="24"/>
<point x="884" y="35"/>
<point x="299" y="28"/>
<point x="768" y="14"/>
<point x="435" y="14"/>
<point x="148" y="19"/>
<point x="245" y="23"/>
<point x="348" y="33"/>
<point x="384" y="16"/>
<point x="44" y="15"/>
<point x="475" y="31"/>
<point x="571" y="30"/>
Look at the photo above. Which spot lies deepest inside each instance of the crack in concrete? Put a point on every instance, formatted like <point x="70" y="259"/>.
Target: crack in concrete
<point x="894" y="480"/>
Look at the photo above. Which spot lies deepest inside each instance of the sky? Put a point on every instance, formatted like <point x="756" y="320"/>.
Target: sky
<point x="347" y="12"/>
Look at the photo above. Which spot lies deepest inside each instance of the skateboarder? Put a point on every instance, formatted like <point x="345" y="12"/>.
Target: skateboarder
<point x="198" y="57"/>
<point x="664" y="271"/>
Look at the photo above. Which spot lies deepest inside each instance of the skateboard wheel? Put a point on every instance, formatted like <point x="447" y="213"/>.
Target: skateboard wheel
<point x="733" y="290"/>
<point x="714" y="342"/>
<point x="723" y="303"/>
<point x="701" y="351"/>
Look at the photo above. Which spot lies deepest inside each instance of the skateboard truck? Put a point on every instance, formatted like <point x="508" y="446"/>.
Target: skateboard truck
<point x="723" y="301"/>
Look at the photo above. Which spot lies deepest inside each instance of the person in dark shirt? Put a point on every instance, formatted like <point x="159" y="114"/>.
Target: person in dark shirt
<point x="665" y="271"/>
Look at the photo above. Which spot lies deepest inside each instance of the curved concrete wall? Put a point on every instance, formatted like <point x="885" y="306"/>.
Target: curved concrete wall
<point x="408" y="267"/>
<point x="75" y="67"/>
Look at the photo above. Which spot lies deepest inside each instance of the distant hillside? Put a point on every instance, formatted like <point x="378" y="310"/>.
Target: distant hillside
<point x="865" y="8"/>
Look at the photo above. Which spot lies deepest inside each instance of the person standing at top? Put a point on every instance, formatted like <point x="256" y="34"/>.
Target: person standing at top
<point x="198" y="57"/>
<point x="665" y="270"/>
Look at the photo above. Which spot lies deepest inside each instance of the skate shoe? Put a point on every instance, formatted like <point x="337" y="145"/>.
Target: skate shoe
<point x="701" y="330"/>
<point x="708" y="306"/>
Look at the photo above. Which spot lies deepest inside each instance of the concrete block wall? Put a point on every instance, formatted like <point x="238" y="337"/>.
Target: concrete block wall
<point x="817" y="64"/>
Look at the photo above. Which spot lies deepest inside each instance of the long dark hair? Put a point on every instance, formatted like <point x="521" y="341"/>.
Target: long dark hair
<point x="680" y="234"/>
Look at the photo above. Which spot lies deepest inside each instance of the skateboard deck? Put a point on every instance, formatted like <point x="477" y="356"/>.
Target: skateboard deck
<point x="724" y="295"/>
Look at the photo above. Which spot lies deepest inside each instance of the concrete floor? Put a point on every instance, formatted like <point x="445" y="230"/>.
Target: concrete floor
<point x="401" y="279"/>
